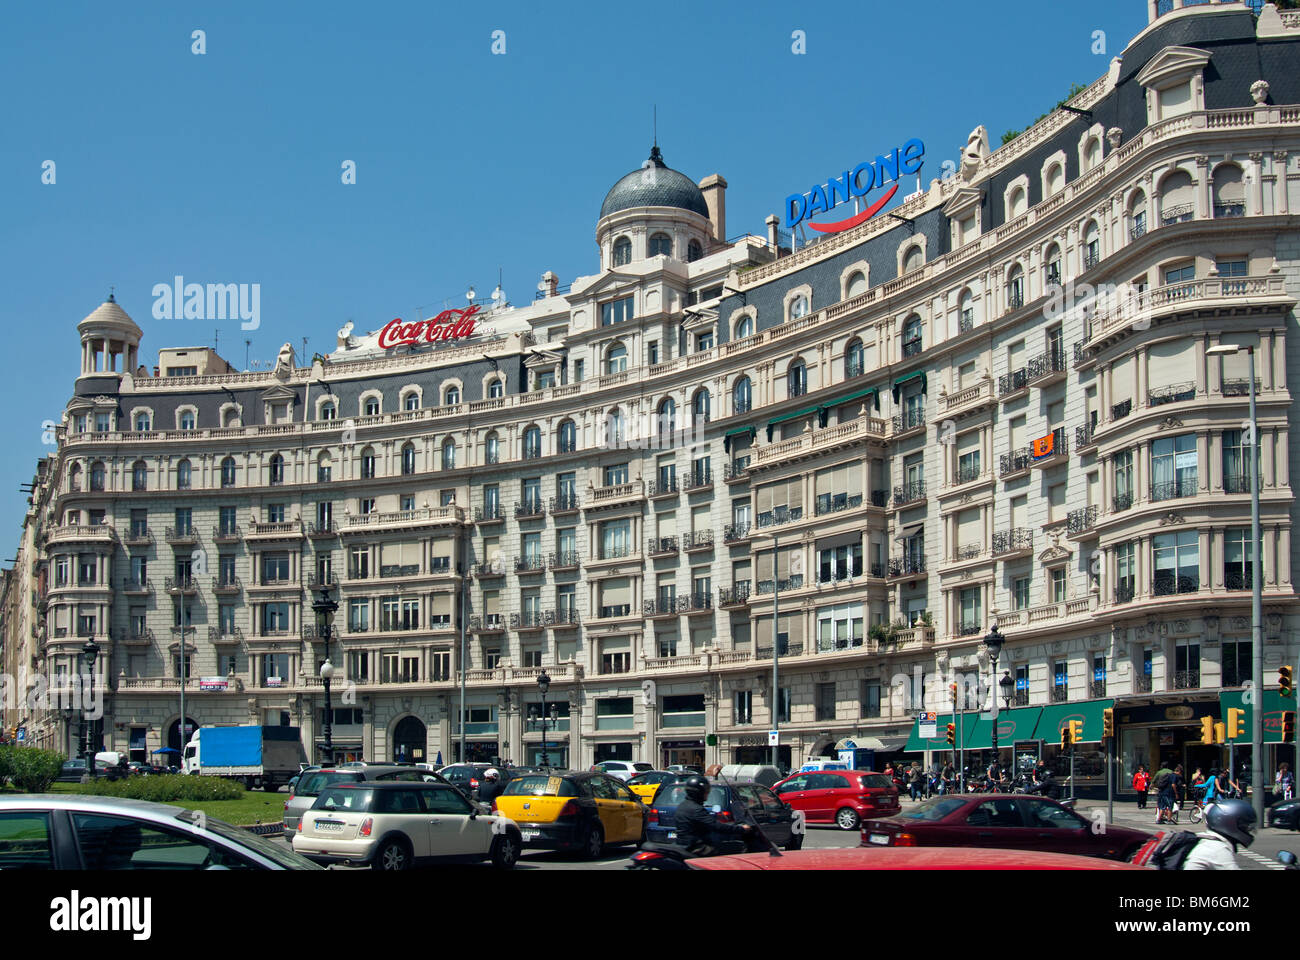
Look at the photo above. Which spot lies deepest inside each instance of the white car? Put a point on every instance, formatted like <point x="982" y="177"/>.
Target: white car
<point x="622" y="769"/>
<point x="394" y="825"/>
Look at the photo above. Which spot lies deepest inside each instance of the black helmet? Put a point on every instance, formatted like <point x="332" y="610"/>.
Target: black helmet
<point x="1234" y="819"/>
<point x="697" y="788"/>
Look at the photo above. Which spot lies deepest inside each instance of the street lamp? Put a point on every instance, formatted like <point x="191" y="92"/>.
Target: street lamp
<point x="1256" y="589"/>
<point x="89" y="653"/>
<point x="993" y="640"/>
<point x="325" y="607"/>
<point x="1008" y="687"/>
<point x="544" y="684"/>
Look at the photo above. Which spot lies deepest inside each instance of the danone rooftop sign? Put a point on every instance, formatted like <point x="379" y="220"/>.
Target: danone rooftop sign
<point x="852" y="184"/>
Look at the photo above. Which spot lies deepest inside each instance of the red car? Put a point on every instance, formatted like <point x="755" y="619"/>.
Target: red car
<point x="842" y="797"/>
<point x="885" y="858"/>
<point x="1006" y="822"/>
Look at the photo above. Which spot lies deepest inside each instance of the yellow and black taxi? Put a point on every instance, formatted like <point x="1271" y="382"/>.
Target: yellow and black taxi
<point x="573" y="811"/>
<point x="646" y="785"/>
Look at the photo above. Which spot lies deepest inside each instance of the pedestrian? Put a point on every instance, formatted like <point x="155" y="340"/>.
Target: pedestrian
<point x="1141" y="784"/>
<point x="1164" y="795"/>
<point x="1227" y="788"/>
<point x="948" y="778"/>
<point x="1285" y="781"/>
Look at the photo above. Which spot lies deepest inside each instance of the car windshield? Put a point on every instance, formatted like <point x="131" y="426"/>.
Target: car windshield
<point x="673" y="796"/>
<point x="281" y="856"/>
<point x="934" y="809"/>
<point x="540" y="786"/>
<point x="343" y="798"/>
<point x="642" y="766"/>
<point x="312" y="784"/>
<point x="877" y="780"/>
<point x="642" y="779"/>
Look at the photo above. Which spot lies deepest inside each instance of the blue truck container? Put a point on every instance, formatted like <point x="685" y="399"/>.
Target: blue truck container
<point x="265" y="756"/>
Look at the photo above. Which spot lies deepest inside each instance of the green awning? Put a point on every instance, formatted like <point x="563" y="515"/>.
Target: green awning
<point x="919" y="375"/>
<point x="737" y="432"/>
<point x="965" y="727"/>
<point x="847" y="398"/>
<point x="1057" y="715"/>
<point x="1274" y="705"/>
<point x="805" y="412"/>
<point x="1013" y="725"/>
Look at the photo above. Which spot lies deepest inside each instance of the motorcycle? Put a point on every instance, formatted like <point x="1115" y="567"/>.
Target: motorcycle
<point x="671" y="856"/>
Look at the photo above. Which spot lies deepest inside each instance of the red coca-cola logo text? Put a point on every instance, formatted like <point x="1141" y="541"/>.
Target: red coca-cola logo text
<point x="451" y="324"/>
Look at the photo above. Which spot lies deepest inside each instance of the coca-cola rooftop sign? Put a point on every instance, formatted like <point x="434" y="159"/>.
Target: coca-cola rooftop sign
<point x="451" y="324"/>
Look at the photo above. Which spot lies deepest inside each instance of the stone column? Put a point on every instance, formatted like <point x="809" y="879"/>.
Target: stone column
<point x="1203" y="456"/>
<point x="1140" y="398"/>
<point x="1204" y="202"/>
<point x="1281" y="202"/>
<point x="1256" y="198"/>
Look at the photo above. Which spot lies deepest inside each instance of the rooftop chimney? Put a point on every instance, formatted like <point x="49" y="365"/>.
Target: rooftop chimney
<point x="714" y="189"/>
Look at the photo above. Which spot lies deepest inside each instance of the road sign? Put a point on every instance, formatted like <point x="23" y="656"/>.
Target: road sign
<point x="929" y="722"/>
<point x="773" y="738"/>
<point x="22" y="734"/>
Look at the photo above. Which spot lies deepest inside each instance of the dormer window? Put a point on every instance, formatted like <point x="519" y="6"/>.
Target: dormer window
<point x="329" y="411"/>
<point x="616" y="359"/>
<point x="799" y="307"/>
<point x="453" y="396"/>
<point x="143" y="422"/>
<point x="622" y="252"/>
<point x="371" y="407"/>
<point x="496" y="390"/>
<point x="914" y="259"/>
<point x="188" y="420"/>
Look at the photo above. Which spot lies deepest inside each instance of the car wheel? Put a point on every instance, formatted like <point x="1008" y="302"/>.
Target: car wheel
<point x="594" y="844"/>
<point x="505" y="851"/>
<point x="796" y="843"/>
<point x="846" y="818"/>
<point x="393" y="855"/>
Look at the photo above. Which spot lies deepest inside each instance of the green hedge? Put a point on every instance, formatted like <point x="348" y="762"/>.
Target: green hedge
<point x="30" y="769"/>
<point x="167" y="788"/>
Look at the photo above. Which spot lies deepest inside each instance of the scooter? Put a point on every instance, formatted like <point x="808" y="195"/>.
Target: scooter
<point x="671" y="856"/>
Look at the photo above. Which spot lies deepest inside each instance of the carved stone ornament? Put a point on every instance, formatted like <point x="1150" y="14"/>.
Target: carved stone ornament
<point x="1239" y="623"/>
<point x="1259" y="91"/>
<point x="1180" y="626"/>
<point x="1172" y="518"/>
<point x="1113" y="137"/>
<point x="1169" y="423"/>
<point x="973" y="156"/>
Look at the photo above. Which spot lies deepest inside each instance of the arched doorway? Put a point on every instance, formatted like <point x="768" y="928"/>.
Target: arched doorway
<point x="409" y="740"/>
<point x="174" y="741"/>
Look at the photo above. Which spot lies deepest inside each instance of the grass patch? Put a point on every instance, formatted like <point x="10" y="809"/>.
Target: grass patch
<point x="254" y="806"/>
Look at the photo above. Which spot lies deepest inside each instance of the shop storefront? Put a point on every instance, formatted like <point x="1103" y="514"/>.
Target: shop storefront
<point x="689" y="753"/>
<point x="1164" y="734"/>
<point x="622" y="750"/>
<point x="478" y="751"/>
<point x="1275" y="751"/>
<point x="1082" y="768"/>
<point x="555" y="755"/>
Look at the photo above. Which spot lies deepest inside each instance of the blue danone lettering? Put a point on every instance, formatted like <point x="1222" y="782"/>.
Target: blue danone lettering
<point x="858" y="182"/>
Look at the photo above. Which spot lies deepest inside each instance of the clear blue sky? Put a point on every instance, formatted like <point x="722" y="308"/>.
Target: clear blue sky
<point x="225" y="167"/>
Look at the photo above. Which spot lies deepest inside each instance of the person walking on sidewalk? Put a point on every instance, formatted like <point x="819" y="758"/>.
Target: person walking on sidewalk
<point x="1164" y="793"/>
<point x="914" y="780"/>
<point x="1141" y="783"/>
<point x="1285" y="781"/>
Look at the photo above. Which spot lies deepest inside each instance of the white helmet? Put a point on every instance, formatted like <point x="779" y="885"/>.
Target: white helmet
<point x="491" y="773"/>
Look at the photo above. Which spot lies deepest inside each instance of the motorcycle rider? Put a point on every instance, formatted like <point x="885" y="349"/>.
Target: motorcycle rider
<point x="698" y="829"/>
<point x="490" y="787"/>
<point x="1228" y="823"/>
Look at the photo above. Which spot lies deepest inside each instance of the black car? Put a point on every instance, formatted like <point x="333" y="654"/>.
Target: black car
<point x="732" y="802"/>
<point x="73" y="770"/>
<point x="466" y="776"/>
<point x="1284" y="814"/>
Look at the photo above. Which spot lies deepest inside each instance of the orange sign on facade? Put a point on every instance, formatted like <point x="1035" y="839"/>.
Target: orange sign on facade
<point x="1043" y="446"/>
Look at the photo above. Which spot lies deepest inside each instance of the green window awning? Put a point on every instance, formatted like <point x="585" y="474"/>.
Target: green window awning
<point x="805" y="412"/>
<point x="1013" y="725"/>
<point x="965" y="727"/>
<point x="909" y="378"/>
<point x="1274" y="705"/>
<point x="737" y="432"/>
<point x="849" y="397"/>
<point x="1057" y="715"/>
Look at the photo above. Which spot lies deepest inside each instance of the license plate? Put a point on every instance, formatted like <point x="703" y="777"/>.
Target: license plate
<point x="880" y="838"/>
<point x="329" y="825"/>
<point x="530" y="834"/>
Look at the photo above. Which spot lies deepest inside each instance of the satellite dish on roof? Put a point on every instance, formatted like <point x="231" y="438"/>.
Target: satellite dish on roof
<point x="346" y="330"/>
<point x="470" y="294"/>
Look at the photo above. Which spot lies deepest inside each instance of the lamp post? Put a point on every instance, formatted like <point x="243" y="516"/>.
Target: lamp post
<point x="1008" y="688"/>
<point x="325" y="607"/>
<point x="993" y="640"/>
<point x="89" y="653"/>
<point x="1256" y="591"/>
<point x="543" y="685"/>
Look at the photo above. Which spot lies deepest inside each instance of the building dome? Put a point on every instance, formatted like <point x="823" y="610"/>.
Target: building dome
<point x="655" y="185"/>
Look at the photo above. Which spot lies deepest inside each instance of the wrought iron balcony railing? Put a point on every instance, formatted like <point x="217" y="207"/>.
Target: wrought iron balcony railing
<point x="736" y="469"/>
<point x="735" y="594"/>
<point x="1187" y="679"/>
<point x="565" y="502"/>
<point x="1060" y="693"/>
<point x="1011" y="382"/>
<point x="1009" y="541"/>
<point x="780" y="515"/>
<point x="1049" y="363"/>
<point x="1015" y="462"/>
<point x="699" y="477"/>
<point x="488" y="514"/>
<point x="1084" y="518"/>
<point x="1177" y="213"/>
<point x="1239" y="388"/>
<point x="911" y="347"/>
<point x="532" y="507"/>
<point x="1238" y="579"/>
<point x="533" y="563"/>
<point x="1173" y="489"/>
<point x="1165" y="585"/>
<point x="906" y="566"/>
<point x="836" y="502"/>
<point x="566" y="560"/>
<point x="656" y="546"/>
<point x="1124" y="592"/>
<point x="967" y="474"/>
<point x="909" y="420"/>
<point x="968" y="552"/>
<point x="1171" y="394"/>
<point x="661" y="486"/>
<point x="1121" y="410"/>
<point x="697" y="540"/>
<point x="1122" y="501"/>
<point x="735" y="531"/>
<point x="909" y="492"/>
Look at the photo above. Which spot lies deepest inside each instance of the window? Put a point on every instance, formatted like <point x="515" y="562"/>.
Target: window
<point x="358" y="616"/>
<point x="799" y="307"/>
<point x="370" y="407"/>
<point x="532" y="443"/>
<point x="1060" y="680"/>
<point x="184" y="475"/>
<point x="912" y="336"/>
<point x="496" y="389"/>
<point x="616" y="311"/>
<point x="839" y="627"/>
<point x="1123" y="479"/>
<point x="450" y="399"/>
<point x="1187" y="665"/>
<point x="143" y="422"/>
<point x="742" y="707"/>
<point x="661" y="245"/>
<point x="275" y="568"/>
<point x="1091" y="246"/>
<point x="1173" y="467"/>
<point x="1236" y="663"/>
<point x="622" y="252"/>
<point x="856" y="286"/>
<point x="1020" y="593"/>
<point x="408" y="458"/>
<point x="1180" y="274"/>
<point x="853" y="359"/>
<point x="615" y="597"/>
<point x="139" y="476"/>
<point x="1237" y="474"/>
<point x="783" y="705"/>
<point x="694" y="251"/>
<point x="704" y="341"/>
<point x="1238" y="559"/>
<point x="839" y="563"/>
<point x="825" y="701"/>
<point x="184" y="521"/>
<point x="329" y="411"/>
<point x="913" y="259"/>
<point x="615" y="538"/>
<point x="228" y="472"/>
<point x="188" y="420"/>
<point x="685" y="710"/>
<point x="365" y="507"/>
<point x="701" y="405"/>
<point x="449" y="454"/>
<point x="275" y="513"/>
<point x="666" y="422"/>
<point x="1177" y="562"/>
<point x="1058" y="585"/>
<point x="741" y="395"/>
<point x="616" y="359"/>
<point x="275" y="619"/>
<point x="870" y="701"/>
<point x="797" y="379"/>
<point x="971" y="615"/>
<point x="1125" y="572"/>
<point x="614" y="713"/>
<point x="568" y="438"/>
<point x="614" y="430"/>
<point x="125" y="843"/>
<point x="1016" y="287"/>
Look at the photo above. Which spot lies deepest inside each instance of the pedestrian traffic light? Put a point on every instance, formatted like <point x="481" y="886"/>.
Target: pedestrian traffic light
<point x="1065" y="737"/>
<point x="1288" y="726"/>
<point x="1236" y="723"/>
<point x="952" y="735"/>
<point x="1108" y="722"/>
<point x="1284" y="681"/>
<point x="1076" y="731"/>
<point x="1207" y="730"/>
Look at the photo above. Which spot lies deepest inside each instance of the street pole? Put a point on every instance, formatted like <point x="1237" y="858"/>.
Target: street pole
<point x="1256" y="614"/>
<point x="1110" y="776"/>
<point x="993" y="695"/>
<point x="961" y="751"/>
<point x="776" y="656"/>
<point x="464" y="615"/>
<point x="184" y="610"/>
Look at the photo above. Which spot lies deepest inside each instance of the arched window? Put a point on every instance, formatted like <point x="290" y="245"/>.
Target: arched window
<point x="857" y="284"/>
<point x="1016" y="287"/>
<point x="229" y="415"/>
<point x="912" y="336"/>
<point x="453" y="396"/>
<point x="799" y="307"/>
<point x="1137" y="215"/>
<point x="742" y="396"/>
<point x="913" y="259"/>
<point x="966" y="312"/>
<point x="184" y="474"/>
<point x="449" y="454"/>
<point x="666" y="421"/>
<point x="367" y="463"/>
<point x="1229" y="192"/>
<point x="324" y="468"/>
<point x="496" y="390"/>
<point x="492" y="448"/>
<point x="796" y="379"/>
<point x="1092" y="154"/>
<point x="1091" y="246"/>
<point x="411" y="401"/>
<point x="661" y="245"/>
<point x="139" y="476"/>
<point x="616" y="359"/>
<point x="568" y="436"/>
<point x="408" y="458"/>
<point x="744" y="327"/>
<point x="694" y="251"/>
<point x="1177" y="198"/>
<point x="853" y="359"/>
<point x="97" y="475"/>
<point x="74" y="477"/>
<point x="1016" y="203"/>
<point x="277" y="469"/>
<point x="1055" y="180"/>
<point x="532" y="443"/>
<point x="188" y="421"/>
<point x="329" y="411"/>
<point x="228" y="472"/>
<point x="614" y="428"/>
<point x="622" y="251"/>
<point x="1052" y="265"/>
<point x="702" y="406"/>
<point x="371" y="407"/>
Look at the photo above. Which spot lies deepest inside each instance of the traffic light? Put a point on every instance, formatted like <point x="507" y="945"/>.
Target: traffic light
<point x="1065" y="736"/>
<point x="1284" y="681"/>
<point x="952" y="735"/>
<point x="1288" y="726"/>
<point x="1076" y="731"/>
<point x="1219" y="732"/>
<point x="952" y="689"/>
<point x="1236" y="723"/>
<point x="1207" y="730"/>
<point x="1108" y="723"/>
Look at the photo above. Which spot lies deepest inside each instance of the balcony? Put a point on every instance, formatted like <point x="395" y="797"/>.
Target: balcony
<point x="1012" y="383"/>
<point x="967" y="399"/>
<point x="661" y="546"/>
<point x="780" y="515"/>
<point x="1239" y="388"/>
<point x="616" y="494"/>
<point x="1015" y="299"/>
<point x="1083" y="437"/>
<point x="1017" y="463"/>
<point x="837" y="502"/>
<point x="530" y="509"/>
<point x="178" y="536"/>
<point x="1124" y="592"/>
<point x="1096" y="689"/>
<point x="1168" y="585"/>
<point x="401" y="519"/>
<point x="1177" y="213"/>
<point x="909" y="493"/>
<point x="567" y="560"/>
<point x="488" y="569"/>
<point x="966" y="322"/>
<point x="909" y="420"/>
<point x="315" y="580"/>
<point x="226" y="586"/>
<point x="286" y="529"/>
<point x="1237" y="580"/>
<point x="697" y="540"/>
<point x="566" y="502"/>
<point x="1171" y="394"/>
<point x="970" y="551"/>
<point x="178" y="586"/>
<point x="1060" y="451"/>
<point x="612" y="611"/>
<point x="226" y="533"/>
<point x="1081" y="520"/>
<point x="531" y="564"/>
<point x="1048" y="369"/>
<point x="735" y="596"/>
<point x="137" y="587"/>
<point x="142" y="638"/>
<point x="1016" y="542"/>
<point x="908" y="566"/>
<point x="698" y="479"/>
<point x="1060" y="693"/>
<point x="1173" y="489"/>
<point x="319" y="531"/>
<point x="1121" y="501"/>
<point x="1224" y="211"/>
<point x="1138" y="230"/>
<point x="811" y="442"/>
<point x="911" y="347"/>
<point x="1091" y="258"/>
<point x="969" y="630"/>
<point x="564" y="617"/>
<point x="737" y="471"/>
<point x="662" y="487"/>
<point x="388" y="571"/>
<point x="531" y="620"/>
<point x="489" y="514"/>
<point x="1142" y="683"/>
<point x="792" y="582"/>
<point x="491" y="623"/>
<point x="138" y="537"/>
<point x="735" y="532"/>
<point x="1187" y="679"/>
<point x="1121" y="410"/>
